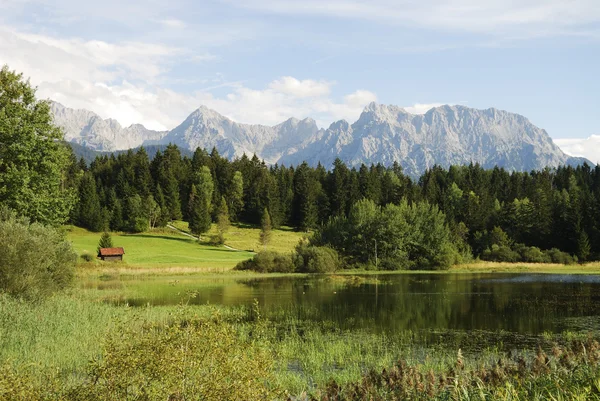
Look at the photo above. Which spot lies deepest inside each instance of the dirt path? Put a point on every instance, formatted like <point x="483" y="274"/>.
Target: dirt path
<point x="191" y="236"/>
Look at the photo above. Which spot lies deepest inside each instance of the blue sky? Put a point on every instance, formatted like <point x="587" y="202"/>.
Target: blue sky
<point x="262" y="61"/>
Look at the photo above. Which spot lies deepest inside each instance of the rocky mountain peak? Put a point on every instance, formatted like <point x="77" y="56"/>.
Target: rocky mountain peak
<point x="445" y="135"/>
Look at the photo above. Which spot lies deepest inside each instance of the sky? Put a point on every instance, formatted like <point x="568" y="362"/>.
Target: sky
<point x="263" y="61"/>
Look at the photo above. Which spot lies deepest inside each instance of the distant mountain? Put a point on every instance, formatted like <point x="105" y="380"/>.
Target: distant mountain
<point x="89" y="155"/>
<point x="90" y="130"/>
<point x="444" y="136"/>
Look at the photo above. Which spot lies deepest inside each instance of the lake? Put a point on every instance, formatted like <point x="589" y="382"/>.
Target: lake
<point x="524" y="304"/>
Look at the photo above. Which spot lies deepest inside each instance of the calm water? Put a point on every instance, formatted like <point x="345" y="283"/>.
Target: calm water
<point x="527" y="304"/>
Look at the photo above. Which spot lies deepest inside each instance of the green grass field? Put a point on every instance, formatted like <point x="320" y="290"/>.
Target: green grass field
<point x="245" y="237"/>
<point x="167" y="248"/>
<point x="163" y="249"/>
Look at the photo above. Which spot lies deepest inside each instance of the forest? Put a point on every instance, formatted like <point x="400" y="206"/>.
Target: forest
<point x="551" y="215"/>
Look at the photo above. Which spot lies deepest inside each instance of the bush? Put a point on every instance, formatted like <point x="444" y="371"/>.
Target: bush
<point x="532" y="254"/>
<point x="36" y="260"/>
<point x="268" y="262"/>
<point x="500" y="254"/>
<point x="87" y="257"/>
<point x="316" y="259"/>
<point x="182" y="360"/>
<point x="558" y="256"/>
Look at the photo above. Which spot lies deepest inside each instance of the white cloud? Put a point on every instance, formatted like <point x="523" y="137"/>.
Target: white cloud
<point x="173" y="23"/>
<point x="495" y="17"/>
<point x="123" y="81"/>
<point x="584" y="147"/>
<point x="48" y="59"/>
<point x="422" y="108"/>
<point x="305" y="88"/>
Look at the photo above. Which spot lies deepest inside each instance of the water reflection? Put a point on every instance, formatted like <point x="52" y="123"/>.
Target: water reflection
<point x="518" y="303"/>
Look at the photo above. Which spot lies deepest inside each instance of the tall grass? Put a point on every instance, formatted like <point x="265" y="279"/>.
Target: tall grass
<point x="55" y="340"/>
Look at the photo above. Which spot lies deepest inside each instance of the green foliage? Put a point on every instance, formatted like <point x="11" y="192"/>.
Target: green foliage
<point x="557" y="256"/>
<point x="397" y="236"/>
<point x="497" y="253"/>
<point x="265" y="229"/>
<point x="268" y="262"/>
<point x="90" y="211"/>
<point x="184" y="359"/>
<point x="36" y="261"/>
<point x="316" y="259"/>
<point x="583" y="246"/>
<point x="223" y="222"/>
<point x="236" y="195"/>
<point x="569" y="373"/>
<point x="105" y="241"/>
<point x="136" y="219"/>
<point x="33" y="162"/>
<point x="87" y="257"/>
<point x="200" y="202"/>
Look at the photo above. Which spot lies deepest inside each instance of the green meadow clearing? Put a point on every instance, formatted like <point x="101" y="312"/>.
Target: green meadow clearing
<point x="166" y="248"/>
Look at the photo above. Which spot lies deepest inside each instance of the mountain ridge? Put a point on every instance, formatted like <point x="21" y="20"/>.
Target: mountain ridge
<point x="444" y="135"/>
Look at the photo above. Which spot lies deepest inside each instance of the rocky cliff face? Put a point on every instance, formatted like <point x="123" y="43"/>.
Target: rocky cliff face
<point x="88" y="129"/>
<point x="444" y="136"/>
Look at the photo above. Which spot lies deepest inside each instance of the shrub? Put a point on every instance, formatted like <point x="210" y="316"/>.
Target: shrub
<point x="36" y="260"/>
<point x="268" y="262"/>
<point x="87" y="257"/>
<point x="532" y="254"/>
<point x="316" y="259"/>
<point x="558" y="256"/>
<point x="500" y="254"/>
<point x="182" y="360"/>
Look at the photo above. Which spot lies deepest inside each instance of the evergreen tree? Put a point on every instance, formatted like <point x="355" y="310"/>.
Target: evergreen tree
<point x="304" y="212"/>
<point x="583" y="246"/>
<point x="265" y="229"/>
<point x="236" y="195"/>
<point x="338" y="188"/>
<point x="163" y="218"/>
<point x="90" y="212"/>
<point x="105" y="241"/>
<point x="223" y="222"/>
<point x="153" y="211"/>
<point x="200" y="202"/>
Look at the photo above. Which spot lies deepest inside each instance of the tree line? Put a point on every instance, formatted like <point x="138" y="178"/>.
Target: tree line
<point x="491" y="213"/>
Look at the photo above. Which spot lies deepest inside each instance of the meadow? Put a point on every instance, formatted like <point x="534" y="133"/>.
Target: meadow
<point x="175" y="252"/>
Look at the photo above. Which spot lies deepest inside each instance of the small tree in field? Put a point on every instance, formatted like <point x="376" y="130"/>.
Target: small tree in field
<point x="105" y="241"/>
<point x="265" y="229"/>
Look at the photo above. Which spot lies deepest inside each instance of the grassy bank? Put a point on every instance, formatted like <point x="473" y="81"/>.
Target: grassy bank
<point x="50" y="346"/>
<point x="498" y="267"/>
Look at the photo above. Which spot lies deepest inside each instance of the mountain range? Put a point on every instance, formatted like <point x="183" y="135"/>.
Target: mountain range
<point x="444" y="136"/>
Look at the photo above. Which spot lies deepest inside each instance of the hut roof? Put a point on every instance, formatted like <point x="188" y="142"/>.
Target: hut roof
<point x="111" y="251"/>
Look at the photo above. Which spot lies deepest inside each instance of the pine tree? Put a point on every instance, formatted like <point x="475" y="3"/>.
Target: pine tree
<point x="236" y="196"/>
<point x="222" y="221"/>
<point x="163" y="218"/>
<point x="153" y="211"/>
<point x="200" y="202"/>
<point x="304" y="212"/>
<point x="105" y="241"/>
<point x="90" y="212"/>
<point x="265" y="229"/>
<point x="583" y="246"/>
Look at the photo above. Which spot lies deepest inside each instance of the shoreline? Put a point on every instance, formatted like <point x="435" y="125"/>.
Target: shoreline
<point x="85" y="270"/>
